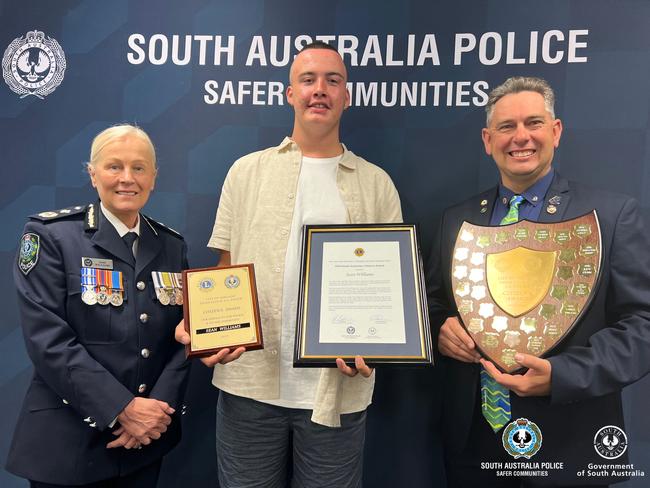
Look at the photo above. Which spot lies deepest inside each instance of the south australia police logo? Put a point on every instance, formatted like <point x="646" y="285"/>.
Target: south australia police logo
<point x="28" y="257"/>
<point x="232" y="281"/>
<point x="522" y="438"/>
<point x="33" y="65"/>
<point x="610" y="442"/>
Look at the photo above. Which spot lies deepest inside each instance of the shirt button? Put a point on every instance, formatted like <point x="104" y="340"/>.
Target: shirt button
<point x="284" y="232"/>
<point x="277" y="270"/>
<point x="143" y="318"/>
<point x="140" y="285"/>
<point x="145" y="353"/>
<point x="290" y="196"/>
<point x="274" y="352"/>
<point x="142" y="388"/>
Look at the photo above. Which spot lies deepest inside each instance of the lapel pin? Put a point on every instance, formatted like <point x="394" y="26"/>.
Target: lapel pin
<point x="551" y="209"/>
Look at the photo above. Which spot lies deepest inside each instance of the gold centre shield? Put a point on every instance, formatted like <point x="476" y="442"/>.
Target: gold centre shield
<point x="522" y="287"/>
<point x="520" y="278"/>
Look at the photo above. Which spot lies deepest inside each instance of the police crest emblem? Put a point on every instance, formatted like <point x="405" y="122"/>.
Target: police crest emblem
<point x="528" y="283"/>
<point x="522" y="438"/>
<point x="231" y="281"/>
<point x="30" y="244"/>
<point x="33" y="65"/>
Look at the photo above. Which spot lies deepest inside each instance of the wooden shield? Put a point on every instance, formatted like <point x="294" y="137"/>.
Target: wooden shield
<point x="522" y="287"/>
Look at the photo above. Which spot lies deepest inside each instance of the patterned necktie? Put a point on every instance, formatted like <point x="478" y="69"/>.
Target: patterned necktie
<point x="495" y="399"/>
<point x="129" y="238"/>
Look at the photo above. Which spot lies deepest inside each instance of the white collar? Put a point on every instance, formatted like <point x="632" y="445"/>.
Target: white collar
<point x="120" y="227"/>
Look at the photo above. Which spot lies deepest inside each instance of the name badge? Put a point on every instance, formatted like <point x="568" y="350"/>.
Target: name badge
<point x="97" y="263"/>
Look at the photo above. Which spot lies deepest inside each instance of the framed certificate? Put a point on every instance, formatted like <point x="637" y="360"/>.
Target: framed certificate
<point x="220" y="309"/>
<point x="362" y="293"/>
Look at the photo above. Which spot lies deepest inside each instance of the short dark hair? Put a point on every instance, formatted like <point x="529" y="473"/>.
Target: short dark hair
<point x="517" y="84"/>
<point x="318" y="45"/>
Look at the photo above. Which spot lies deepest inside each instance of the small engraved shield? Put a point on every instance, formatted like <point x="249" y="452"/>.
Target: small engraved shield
<point x="532" y="287"/>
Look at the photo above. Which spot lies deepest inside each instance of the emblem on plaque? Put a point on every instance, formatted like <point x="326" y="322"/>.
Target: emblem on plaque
<point x="529" y="290"/>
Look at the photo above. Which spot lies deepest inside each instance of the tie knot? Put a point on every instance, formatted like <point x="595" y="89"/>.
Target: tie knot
<point x="513" y="211"/>
<point x="516" y="200"/>
<point x="130" y="238"/>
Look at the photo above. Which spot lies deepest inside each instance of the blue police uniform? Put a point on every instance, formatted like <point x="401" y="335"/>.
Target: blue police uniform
<point x="90" y="361"/>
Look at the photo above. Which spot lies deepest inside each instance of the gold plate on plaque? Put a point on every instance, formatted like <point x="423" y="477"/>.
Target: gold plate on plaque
<point x="524" y="294"/>
<point x="519" y="279"/>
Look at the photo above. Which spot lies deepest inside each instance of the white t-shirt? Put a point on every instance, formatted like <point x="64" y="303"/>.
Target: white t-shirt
<point x="317" y="202"/>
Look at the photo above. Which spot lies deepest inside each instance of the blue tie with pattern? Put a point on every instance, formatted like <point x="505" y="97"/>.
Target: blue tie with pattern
<point x="495" y="399"/>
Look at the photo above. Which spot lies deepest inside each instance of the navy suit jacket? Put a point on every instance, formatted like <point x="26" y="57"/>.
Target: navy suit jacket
<point x="88" y="360"/>
<point x="610" y="347"/>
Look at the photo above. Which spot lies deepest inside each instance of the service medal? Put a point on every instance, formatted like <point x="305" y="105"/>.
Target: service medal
<point x="163" y="297"/>
<point x="88" y="283"/>
<point x="116" y="299"/>
<point x="89" y="297"/>
<point x="103" y="298"/>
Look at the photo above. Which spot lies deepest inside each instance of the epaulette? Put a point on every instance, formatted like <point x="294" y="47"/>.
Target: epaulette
<point x="58" y="214"/>
<point x="155" y="224"/>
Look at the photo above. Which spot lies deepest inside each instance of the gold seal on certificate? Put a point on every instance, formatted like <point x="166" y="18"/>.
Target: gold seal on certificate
<point x="362" y="293"/>
<point x="523" y="287"/>
<point x="220" y="309"/>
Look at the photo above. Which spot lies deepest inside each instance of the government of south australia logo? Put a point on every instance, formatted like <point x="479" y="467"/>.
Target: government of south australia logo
<point x="522" y="438"/>
<point x="610" y="442"/>
<point x="33" y="65"/>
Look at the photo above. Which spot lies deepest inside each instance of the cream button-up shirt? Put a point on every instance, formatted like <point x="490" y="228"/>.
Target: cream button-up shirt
<point x="253" y="223"/>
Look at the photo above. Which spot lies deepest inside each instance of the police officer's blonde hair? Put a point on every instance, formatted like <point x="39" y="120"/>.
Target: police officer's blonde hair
<point x="117" y="132"/>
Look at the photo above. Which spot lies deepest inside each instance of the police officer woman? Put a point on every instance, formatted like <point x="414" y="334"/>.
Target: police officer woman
<point x="99" y="298"/>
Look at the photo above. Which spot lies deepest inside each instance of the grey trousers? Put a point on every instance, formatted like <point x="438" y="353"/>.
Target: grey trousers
<point x="254" y="440"/>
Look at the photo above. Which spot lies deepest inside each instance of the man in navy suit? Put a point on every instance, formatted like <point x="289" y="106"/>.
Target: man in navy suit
<point x="575" y="391"/>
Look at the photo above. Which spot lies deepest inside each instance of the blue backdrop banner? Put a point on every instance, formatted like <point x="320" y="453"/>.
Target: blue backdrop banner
<point x="206" y="79"/>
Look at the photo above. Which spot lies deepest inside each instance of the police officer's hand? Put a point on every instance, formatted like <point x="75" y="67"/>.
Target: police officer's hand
<point x="536" y="381"/>
<point x="124" y="439"/>
<point x="455" y="342"/>
<point x="360" y="367"/>
<point x="224" y="356"/>
<point x="146" y="419"/>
